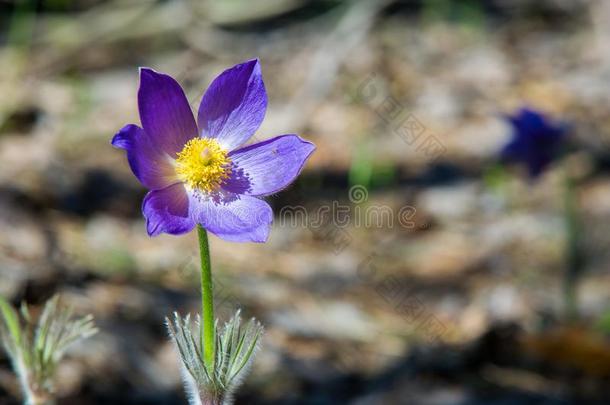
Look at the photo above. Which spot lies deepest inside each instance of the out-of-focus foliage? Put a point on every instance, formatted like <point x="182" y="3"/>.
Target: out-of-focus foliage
<point x="37" y="347"/>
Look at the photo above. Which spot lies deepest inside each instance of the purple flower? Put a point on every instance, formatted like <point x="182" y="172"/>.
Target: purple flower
<point x="197" y="173"/>
<point x="536" y="140"/>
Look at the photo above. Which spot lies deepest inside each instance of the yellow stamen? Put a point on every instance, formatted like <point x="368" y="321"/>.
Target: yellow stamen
<point x="203" y="164"/>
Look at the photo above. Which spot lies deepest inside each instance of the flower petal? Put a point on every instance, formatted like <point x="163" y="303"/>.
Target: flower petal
<point x="231" y="217"/>
<point x="151" y="166"/>
<point x="167" y="211"/>
<point x="536" y="140"/>
<point x="234" y="105"/>
<point x="268" y="167"/>
<point x="165" y="112"/>
<point x="123" y="138"/>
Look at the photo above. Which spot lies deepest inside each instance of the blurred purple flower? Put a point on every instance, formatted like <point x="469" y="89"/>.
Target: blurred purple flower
<point x="536" y="140"/>
<point x="196" y="172"/>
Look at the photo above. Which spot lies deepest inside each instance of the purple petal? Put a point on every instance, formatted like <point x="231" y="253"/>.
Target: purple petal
<point x="233" y="218"/>
<point x="151" y="166"/>
<point x="123" y="138"/>
<point x="234" y="105"/>
<point x="165" y="112"/>
<point x="167" y="211"/>
<point x="268" y="167"/>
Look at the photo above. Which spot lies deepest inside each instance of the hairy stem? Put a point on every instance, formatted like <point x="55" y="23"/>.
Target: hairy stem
<point x="208" y="335"/>
<point x="35" y="396"/>
<point x="31" y="394"/>
<point x="39" y="400"/>
<point x="211" y="401"/>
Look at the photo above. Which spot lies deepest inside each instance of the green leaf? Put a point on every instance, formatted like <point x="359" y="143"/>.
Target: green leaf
<point x="11" y="321"/>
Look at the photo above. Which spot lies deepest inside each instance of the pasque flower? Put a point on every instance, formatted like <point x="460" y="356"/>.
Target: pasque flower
<point x="198" y="172"/>
<point x="536" y="140"/>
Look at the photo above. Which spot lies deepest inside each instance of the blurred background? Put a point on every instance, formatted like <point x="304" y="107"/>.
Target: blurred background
<point x="449" y="291"/>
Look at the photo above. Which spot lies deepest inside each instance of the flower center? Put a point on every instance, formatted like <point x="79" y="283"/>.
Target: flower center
<point x="203" y="164"/>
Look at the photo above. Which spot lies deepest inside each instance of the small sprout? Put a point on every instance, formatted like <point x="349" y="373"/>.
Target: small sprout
<point x="36" y="348"/>
<point x="235" y="348"/>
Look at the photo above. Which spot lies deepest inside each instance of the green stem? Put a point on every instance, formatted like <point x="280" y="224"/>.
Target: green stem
<point x="208" y="334"/>
<point x="573" y="253"/>
<point x="21" y="27"/>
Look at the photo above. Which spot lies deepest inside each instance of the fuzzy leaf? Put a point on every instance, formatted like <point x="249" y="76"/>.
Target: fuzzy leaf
<point x="36" y="348"/>
<point x="11" y="320"/>
<point x="235" y="348"/>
